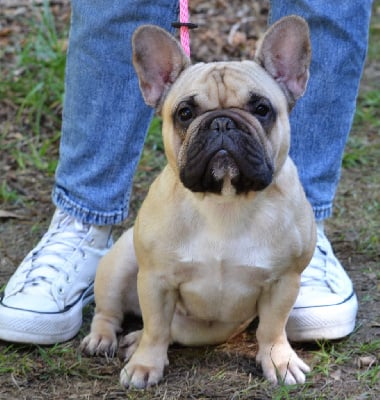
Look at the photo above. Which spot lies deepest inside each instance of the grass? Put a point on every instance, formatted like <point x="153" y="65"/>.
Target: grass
<point x="368" y="111"/>
<point x="374" y="33"/>
<point x="35" y="88"/>
<point x="152" y="159"/>
<point x="7" y="195"/>
<point x="64" y="359"/>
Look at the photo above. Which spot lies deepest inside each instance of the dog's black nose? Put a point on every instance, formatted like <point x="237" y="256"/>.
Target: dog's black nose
<point x="222" y="124"/>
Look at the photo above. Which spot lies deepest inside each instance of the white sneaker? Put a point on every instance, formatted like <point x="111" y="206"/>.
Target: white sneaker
<point x="326" y="306"/>
<point x="43" y="300"/>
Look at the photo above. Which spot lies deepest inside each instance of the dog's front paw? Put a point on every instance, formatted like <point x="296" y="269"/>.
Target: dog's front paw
<point x="99" y="344"/>
<point x="143" y="370"/>
<point x="280" y="363"/>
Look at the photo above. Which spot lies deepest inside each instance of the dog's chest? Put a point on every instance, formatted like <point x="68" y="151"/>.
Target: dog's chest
<point x="222" y="280"/>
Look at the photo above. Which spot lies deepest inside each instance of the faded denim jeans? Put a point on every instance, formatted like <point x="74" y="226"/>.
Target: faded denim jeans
<point x="105" y="119"/>
<point x="322" y="118"/>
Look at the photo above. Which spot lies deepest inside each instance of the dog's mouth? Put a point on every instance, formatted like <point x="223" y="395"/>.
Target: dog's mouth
<point x="225" y="156"/>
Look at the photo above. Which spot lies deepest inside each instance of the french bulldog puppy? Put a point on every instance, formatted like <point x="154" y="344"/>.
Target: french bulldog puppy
<point x="225" y="230"/>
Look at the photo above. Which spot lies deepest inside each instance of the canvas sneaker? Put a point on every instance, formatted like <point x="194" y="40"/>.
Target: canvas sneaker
<point x="43" y="300"/>
<point x="326" y="306"/>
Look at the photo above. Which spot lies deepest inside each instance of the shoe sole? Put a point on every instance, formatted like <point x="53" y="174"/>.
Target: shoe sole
<point x="23" y="326"/>
<point x="324" y="322"/>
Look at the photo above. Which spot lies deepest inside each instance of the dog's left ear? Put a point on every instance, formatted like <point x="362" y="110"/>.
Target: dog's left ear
<point x="158" y="59"/>
<point x="285" y="53"/>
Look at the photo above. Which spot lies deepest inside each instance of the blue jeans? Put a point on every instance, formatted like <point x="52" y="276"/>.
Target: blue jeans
<point x="322" y="118"/>
<point x="105" y="119"/>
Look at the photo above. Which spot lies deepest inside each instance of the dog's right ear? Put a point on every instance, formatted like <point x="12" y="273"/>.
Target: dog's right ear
<point x="158" y="59"/>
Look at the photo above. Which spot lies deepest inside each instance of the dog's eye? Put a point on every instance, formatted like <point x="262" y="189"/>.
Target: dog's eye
<point x="185" y="114"/>
<point x="262" y="110"/>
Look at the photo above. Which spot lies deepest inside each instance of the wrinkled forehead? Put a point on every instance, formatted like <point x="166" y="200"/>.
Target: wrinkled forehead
<point x="225" y="84"/>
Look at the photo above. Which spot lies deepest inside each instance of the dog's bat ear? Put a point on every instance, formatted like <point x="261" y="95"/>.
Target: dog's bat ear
<point x="158" y="59"/>
<point x="285" y="53"/>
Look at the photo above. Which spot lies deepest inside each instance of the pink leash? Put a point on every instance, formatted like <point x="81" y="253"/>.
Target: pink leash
<point x="184" y="30"/>
<point x="184" y="25"/>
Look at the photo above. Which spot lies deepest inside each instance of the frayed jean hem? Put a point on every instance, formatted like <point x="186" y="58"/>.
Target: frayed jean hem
<point x="84" y="214"/>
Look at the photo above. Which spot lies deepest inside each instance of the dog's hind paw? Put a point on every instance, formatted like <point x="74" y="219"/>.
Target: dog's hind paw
<point x="96" y="344"/>
<point x="128" y="344"/>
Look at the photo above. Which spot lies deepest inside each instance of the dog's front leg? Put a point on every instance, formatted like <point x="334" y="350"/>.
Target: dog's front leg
<point x="115" y="294"/>
<point x="277" y="358"/>
<point x="157" y="302"/>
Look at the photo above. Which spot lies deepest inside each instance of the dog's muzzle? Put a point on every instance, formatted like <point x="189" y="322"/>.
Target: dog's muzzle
<point x="226" y="149"/>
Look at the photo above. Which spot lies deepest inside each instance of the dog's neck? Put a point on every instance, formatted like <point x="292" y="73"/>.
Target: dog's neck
<point x="222" y="212"/>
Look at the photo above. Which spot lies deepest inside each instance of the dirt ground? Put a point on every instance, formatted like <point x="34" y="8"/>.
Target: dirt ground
<point x="228" y="29"/>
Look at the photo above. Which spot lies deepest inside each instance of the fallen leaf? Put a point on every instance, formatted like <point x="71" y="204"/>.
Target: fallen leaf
<point x="336" y="375"/>
<point x="9" y="214"/>
<point x="366" y="361"/>
<point x="5" y="32"/>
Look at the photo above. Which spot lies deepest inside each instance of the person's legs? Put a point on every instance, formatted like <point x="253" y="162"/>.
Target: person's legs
<point x="105" y="118"/>
<point x="104" y="126"/>
<point x="321" y="121"/>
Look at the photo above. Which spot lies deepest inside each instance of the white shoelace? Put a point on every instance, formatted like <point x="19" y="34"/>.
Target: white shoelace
<point x="323" y="258"/>
<point x="50" y="258"/>
<point x="324" y="270"/>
